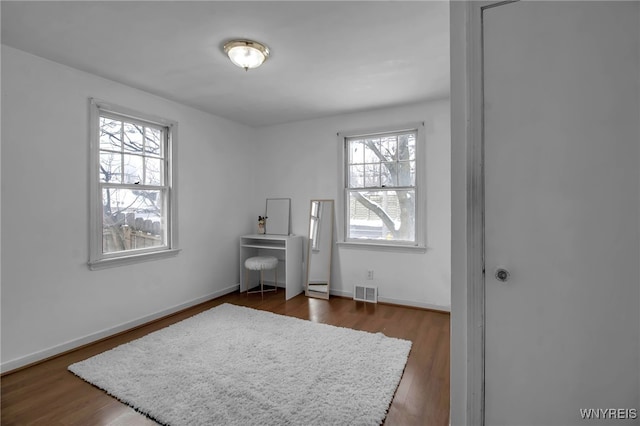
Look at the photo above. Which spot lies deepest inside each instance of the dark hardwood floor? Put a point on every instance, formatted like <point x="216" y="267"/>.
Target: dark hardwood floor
<point x="48" y="394"/>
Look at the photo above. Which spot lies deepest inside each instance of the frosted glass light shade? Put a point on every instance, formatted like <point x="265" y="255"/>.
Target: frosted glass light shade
<point x="246" y="53"/>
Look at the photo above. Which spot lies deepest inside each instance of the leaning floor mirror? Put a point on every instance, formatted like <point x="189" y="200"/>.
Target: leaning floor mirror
<point x="320" y="247"/>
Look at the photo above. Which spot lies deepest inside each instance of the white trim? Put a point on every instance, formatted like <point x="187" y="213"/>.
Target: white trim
<point x="94" y="208"/>
<point x="90" y="338"/>
<point x="401" y="302"/>
<point x="414" y="304"/>
<point x="382" y="246"/>
<point x="131" y="258"/>
<point x="381" y="131"/>
<point x="475" y="205"/>
<point x="118" y="111"/>
<point x="475" y="221"/>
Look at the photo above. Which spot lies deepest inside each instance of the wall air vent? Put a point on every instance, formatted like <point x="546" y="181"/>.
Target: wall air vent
<point x="365" y="294"/>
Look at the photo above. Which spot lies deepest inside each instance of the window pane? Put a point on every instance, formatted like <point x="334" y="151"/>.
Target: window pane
<point x="389" y="148"/>
<point x="356" y="176"/>
<point x="356" y="152"/>
<point x="371" y="175"/>
<point x="382" y="215"/>
<point x="132" y="219"/>
<point x="110" y="167"/>
<point x="388" y="174"/>
<point x="133" y="168"/>
<point x="370" y="148"/>
<point x="407" y="146"/>
<point x="110" y="134"/>
<point x="153" y="172"/>
<point x="133" y="138"/>
<point x="407" y="173"/>
<point x="153" y="142"/>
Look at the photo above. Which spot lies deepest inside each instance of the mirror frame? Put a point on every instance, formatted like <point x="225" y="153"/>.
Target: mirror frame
<point x="311" y="293"/>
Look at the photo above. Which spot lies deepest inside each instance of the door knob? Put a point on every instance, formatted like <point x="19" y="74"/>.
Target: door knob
<point x="502" y="275"/>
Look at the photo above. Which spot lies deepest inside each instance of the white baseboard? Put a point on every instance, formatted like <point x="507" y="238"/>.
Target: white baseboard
<point x="410" y="303"/>
<point x="76" y="343"/>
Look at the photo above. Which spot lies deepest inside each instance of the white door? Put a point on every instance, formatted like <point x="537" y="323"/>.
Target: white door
<point x="561" y="93"/>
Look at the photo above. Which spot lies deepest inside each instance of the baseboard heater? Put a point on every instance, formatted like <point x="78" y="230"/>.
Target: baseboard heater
<point x="365" y="294"/>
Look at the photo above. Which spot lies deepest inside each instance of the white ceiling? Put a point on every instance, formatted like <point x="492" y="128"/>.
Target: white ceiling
<point x="327" y="57"/>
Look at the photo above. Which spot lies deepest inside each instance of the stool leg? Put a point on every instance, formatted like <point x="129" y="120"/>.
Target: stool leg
<point x="262" y="283"/>
<point x="276" y="283"/>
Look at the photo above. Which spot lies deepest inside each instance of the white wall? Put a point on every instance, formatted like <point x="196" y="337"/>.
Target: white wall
<point x="50" y="299"/>
<point x="300" y="160"/>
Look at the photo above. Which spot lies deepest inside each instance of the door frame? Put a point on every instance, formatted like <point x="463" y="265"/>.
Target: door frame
<point x="476" y="210"/>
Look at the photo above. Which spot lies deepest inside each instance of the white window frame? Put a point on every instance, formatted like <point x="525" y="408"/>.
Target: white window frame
<point x="420" y="190"/>
<point x="98" y="259"/>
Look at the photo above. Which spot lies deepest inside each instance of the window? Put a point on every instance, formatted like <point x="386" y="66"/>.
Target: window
<point x="132" y="194"/>
<point x="382" y="197"/>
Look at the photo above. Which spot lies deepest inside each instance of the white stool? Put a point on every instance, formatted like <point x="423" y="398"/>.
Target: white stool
<point x="261" y="263"/>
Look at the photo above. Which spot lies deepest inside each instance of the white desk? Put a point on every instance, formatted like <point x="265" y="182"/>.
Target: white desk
<point x="288" y="250"/>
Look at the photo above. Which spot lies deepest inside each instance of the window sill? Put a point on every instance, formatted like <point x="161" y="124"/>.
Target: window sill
<point x="382" y="246"/>
<point x="131" y="259"/>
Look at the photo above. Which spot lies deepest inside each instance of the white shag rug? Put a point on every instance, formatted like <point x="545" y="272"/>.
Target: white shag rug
<point x="233" y="365"/>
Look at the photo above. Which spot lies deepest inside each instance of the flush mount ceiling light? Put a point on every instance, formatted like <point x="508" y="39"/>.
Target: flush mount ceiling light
<point x="246" y="53"/>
